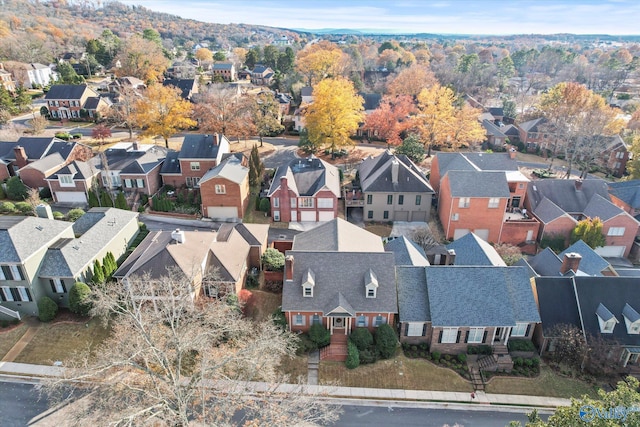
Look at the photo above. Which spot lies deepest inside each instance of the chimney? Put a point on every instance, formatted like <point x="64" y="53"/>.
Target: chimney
<point x="512" y="152"/>
<point x="571" y="262"/>
<point x="578" y="185"/>
<point x="21" y="156"/>
<point x="394" y="171"/>
<point x="135" y="146"/>
<point x="44" y="211"/>
<point x="288" y="267"/>
<point x="450" y="258"/>
<point x="178" y="236"/>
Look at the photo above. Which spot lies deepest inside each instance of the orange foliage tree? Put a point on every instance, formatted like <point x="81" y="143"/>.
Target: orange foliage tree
<point x="411" y="81"/>
<point x="322" y="60"/>
<point x="391" y="118"/>
<point x="141" y="58"/>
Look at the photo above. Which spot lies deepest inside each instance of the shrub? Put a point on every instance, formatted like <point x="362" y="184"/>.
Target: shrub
<point x="7" y="207"/>
<point x="386" y="341"/>
<point x="2" y="195"/>
<point x="273" y="260"/>
<point x="265" y="205"/>
<point x="319" y="335"/>
<point x="528" y="363"/>
<point x="121" y="202"/>
<point x="516" y="344"/>
<point x="353" y="357"/>
<point x="273" y="286"/>
<point x="368" y="355"/>
<point x="279" y="319"/>
<point x="436" y="356"/>
<point x="362" y="338"/>
<point x="462" y="357"/>
<point x="252" y="281"/>
<point x="63" y="135"/>
<point x="47" y="309"/>
<point x="305" y="345"/>
<point x="76" y="136"/>
<point x="80" y="299"/>
<point x="24" y="207"/>
<point x="16" y="190"/>
<point x="517" y="361"/>
<point x="98" y="273"/>
<point x="74" y="214"/>
<point x="45" y="193"/>
<point x="535" y="361"/>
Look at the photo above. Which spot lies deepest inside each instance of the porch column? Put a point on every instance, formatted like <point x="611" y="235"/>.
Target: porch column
<point x="331" y="323"/>
<point x="493" y="337"/>
<point x="507" y="334"/>
<point x="627" y="357"/>
<point x="348" y="326"/>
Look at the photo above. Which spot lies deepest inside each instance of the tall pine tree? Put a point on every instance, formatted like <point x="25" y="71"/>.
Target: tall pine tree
<point x="256" y="167"/>
<point x="98" y="273"/>
<point x="121" y="201"/>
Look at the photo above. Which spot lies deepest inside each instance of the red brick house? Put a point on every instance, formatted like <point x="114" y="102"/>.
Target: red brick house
<point x="224" y="189"/>
<point x="135" y="170"/>
<point x="305" y="190"/>
<point x="71" y="183"/>
<point x="262" y="75"/>
<point x="615" y="156"/>
<point x="75" y="102"/>
<point x="626" y="195"/>
<point x="198" y="154"/>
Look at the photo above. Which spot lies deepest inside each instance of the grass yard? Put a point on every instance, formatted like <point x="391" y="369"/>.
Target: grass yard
<point x="59" y="341"/>
<point x="382" y="230"/>
<point x="397" y="373"/>
<point x="8" y="338"/>
<point x="295" y="368"/>
<point x="261" y="304"/>
<point x="548" y="383"/>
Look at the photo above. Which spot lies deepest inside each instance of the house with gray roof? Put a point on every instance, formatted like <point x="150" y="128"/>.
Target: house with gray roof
<point x="560" y="203"/>
<point x="187" y="88"/>
<point x="133" y="169"/>
<point x="407" y="252"/>
<point x="305" y="190"/>
<point x="70" y="184"/>
<point x="224" y="189"/>
<point x="578" y="259"/>
<point x="626" y="195"/>
<point x="392" y="188"/>
<point x="225" y="70"/>
<point x="45" y="257"/>
<point x="451" y="307"/>
<point x="75" y="102"/>
<point x="472" y="250"/>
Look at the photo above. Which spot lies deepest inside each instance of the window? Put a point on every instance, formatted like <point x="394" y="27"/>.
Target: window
<point x="221" y="189"/>
<point x="2" y="276"/>
<point x="401" y="199"/>
<point x="305" y="202"/>
<point x="361" y="321"/>
<point x="449" y="335"/>
<point x="464" y="202"/>
<point x="195" y="166"/>
<point x="298" y="320"/>
<point x="276" y="215"/>
<point x="608" y="326"/>
<point x="140" y="183"/>
<point x="418" y="200"/>
<point x="325" y="203"/>
<point x="390" y="199"/>
<point x="521" y="185"/>
<point x="414" y="329"/>
<point x="494" y="202"/>
<point x="369" y="199"/>
<point x="308" y="291"/>
<point x="128" y="183"/>
<point x="65" y="180"/>
<point x="6" y="294"/>
<point x="619" y="155"/>
<point x="475" y="335"/>
<point x="294" y="202"/>
<point x="276" y="202"/>
<point x="379" y="320"/>
<point x="455" y="217"/>
<point x="315" y="320"/>
<point x="371" y="293"/>
<point x="370" y="214"/>
<point x="107" y="182"/>
<point x="57" y="286"/>
<point x="16" y="272"/>
<point x="520" y="330"/>
<point x="616" y="231"/>
<point x="385" y="214"/>
<point x="24" y="294"/>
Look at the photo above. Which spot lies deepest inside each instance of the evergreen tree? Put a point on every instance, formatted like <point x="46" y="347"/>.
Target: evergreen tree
<point x="121" y="202"/>
<point x="109" y="265"/>
<point x="93" y="199"/>
<point x="106" y="200"/>
<point x="98" y="273"/>
<point x="256" y="168"/>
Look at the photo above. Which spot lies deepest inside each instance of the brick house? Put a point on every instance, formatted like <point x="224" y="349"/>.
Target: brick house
<point x="135" y="170"/>
<point x="578" y="259"/>
<point x="227" y="71"/>
<point x="224" y="189"/>
<point x="615" y="156"/>
<point x="71" y="183"/>
<point x="6" y="80"/>
<point x="393" y="189"/>
<point x="75" y="102"/>
<point x="533" y="134"/>
<point x="560" y="203"/>
<point x="187" y="87"/>
<point x="305" y="190"/>
<point x="198" y="154"/>
<point x="626" y="195"/>
<point x="262" y="75"/>
<point x="452" y="307"/>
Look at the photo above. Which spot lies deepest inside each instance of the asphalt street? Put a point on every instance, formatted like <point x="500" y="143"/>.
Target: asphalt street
<point x="19" y="403"/>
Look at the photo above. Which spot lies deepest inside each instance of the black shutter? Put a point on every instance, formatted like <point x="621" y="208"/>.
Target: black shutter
<point x="15" y="294"/>
<point x="466" y="337"/>
<point x="53" y="285"/>
<point x="64" y="287"/>
<point x="7" y="272"/>
<point x="484" y="337"/>
<point x="20" y="272"/>
<point x="440" y="337"/>
<point x="458" y="337"/>
<point x="526" y="334"/>
<point x="28" y="294"/>
<point x="406" y="329"/>
<point x="2" y="297"/>
<point x="424" y="330"/>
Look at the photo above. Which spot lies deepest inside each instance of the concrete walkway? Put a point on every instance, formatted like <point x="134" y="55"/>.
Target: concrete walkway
<point x="313" y="367"/>
<point x="23" y="341"/>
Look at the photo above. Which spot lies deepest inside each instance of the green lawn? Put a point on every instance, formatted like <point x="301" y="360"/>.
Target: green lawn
<point x="8" y="338"/>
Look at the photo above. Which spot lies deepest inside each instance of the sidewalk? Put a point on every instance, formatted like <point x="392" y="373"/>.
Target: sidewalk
<point x="24" y="340"/>
<point x="420" y="396"/>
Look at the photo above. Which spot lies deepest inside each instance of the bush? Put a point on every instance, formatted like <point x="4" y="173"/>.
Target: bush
<point x="7" y="207"/>
<point x="353" y="357"/>
<point x="273" y="260"/>
<point x="24" y="207"/>
<point x="80" y="299"/>
<point x="436" y="356"/>
<point x="319" y="335"/>
<point x="63" y="135"/>
<point x="45" y="193"/>
<point x="273" y="286"/>
<point x="47" y="309"/>
<point x="74" y="214"/>
<point x="265" y="205"/>
<point x="305" y="345"/>
<point x="16" y="190"/>
<point x="57" y="215"/>
<point x="516" y="344"/>
<point x="368" y="355"/>
<point x="279" y="319"/>
<point x="386" y="341"/>
<point x="362" y="338"/>
<point x="76" y="136"/>
<point x="462" y="358"/>
<point x="252" y="281"/>
<point x="517" y="361"/>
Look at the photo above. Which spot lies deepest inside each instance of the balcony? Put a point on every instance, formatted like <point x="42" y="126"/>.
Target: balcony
<point x="353" y="198"/>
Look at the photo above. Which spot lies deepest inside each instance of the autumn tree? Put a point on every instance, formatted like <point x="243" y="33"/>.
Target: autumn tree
<point x="435" y="117"/>
<point x="175" y="362"/>
<point x="101" y="132"/>
<point x="121" y="114"/>
<point x="39" y="124"/>
<point x="391" y="118"/>
<point x="241" y="54"/>
<point x="204" y="55"/>
<point x="141" y="58"/>
<point x="162" y="112"/>
<point x="335" y="114"/>
<point x="322" y="60"/>
<point x="222" y="109"/>
<point x="589" y="230"/>
<point x="466" y="129"/>
<point x="411" y="81"/>
<point x="266" y="115"/>
<point x="510" y="254"/>
<point x="633" y="164"/>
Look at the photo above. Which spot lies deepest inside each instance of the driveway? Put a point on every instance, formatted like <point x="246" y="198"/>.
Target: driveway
<point x="404" y="228"/>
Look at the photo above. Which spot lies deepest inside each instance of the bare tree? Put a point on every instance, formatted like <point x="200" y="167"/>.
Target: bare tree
<point x="171" y="361"/>
<point x="38" y="125"/>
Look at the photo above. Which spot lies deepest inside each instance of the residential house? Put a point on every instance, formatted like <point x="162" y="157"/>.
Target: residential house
<point x="35" y="158"/>
<point x="187" y="87"/>
<point x="262" y="75"/>
<point x="225" y="71"/>
<point x="534" y="134"/>
<point x="495" y="138"/>
<point x="215" y="263"/>
<point x="578" y="259"/>
<point x="452" y="307"/>
<point x="45" y="257"/>
<point x="198" y="154"/>
<point x="601" y="308"/>
<point x="30" y="75"/>
<point x="224" y="189"/>
<point x="407" y="252"/>
<point x="75" y="102"/>
<point x="305" y="190"/>
<point x="6" y="80"/>
<point x="615" y="156"/>
<point x="470" y="249"/>
<point x="339" y="276"/>
<point x="626" y="195"/>
<point x="71" y="183"/>
<point x="306" y="95"/>
<point x="182" y="70"/>
<point x="135" y="170"/>
<point x="394" y="189"/>
<point x="371" y="103"/>
<point x="560" y="203"/>
<point x="116" y="85"/>
<point x="282" y="41"/>
<point x="483" y="193"/>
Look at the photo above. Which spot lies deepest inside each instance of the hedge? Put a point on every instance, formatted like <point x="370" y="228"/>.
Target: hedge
<point x="319" y="335"/>
<point x="386" y="341"/>
<point x="80" y="299"/>
<point x="353" y="357"/>
<point x="47" y="309"/>
<point x="362" y="338"/>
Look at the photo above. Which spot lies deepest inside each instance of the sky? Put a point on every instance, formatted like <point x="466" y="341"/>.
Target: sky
<point x="615" y="17"/>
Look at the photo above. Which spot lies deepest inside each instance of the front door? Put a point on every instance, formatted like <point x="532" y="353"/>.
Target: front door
<point x="498" y="335"/>
<point x="338" y="322"/>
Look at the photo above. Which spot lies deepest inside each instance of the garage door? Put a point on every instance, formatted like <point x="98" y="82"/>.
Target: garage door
<point x="482" y="233"/>
<point x="419" y="216"/>
<point x="325" y="215"/>
<point x="459" y="232"/>
<point x="222" y="212"/>
<point x="71" y="197"/>
<point x="308" y="216"/>
<point x="611" y="251"/>
<point x="401" y="216"/>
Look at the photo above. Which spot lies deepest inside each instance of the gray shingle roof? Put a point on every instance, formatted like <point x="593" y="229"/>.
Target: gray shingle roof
<point x="480" y="296"/>
<point x="627" y="191"/>
<point x="532" y="125"/>
<point x="171" y="163"/>
<point x="557" y="302"/>
<point x="341" y="273"/>
<point x="186" y="86"/>
<point x="564" y="194"/>
<point x="21" y="237"/>
<point x="68" y="92"/>
<point x="406" y="252"/>
<point x="338" y="235"/>
<point x="134" y="162"/>
<point x="201" y="146"/>
<point x="231" y="168"/>
<point x="308" y="176"/>
<point x="376" y="176"/>
<point x="52" y="161"/>
<point x="478" y="184"/>
<point x="79" y="170"/>
<point x="602" y="208"/>
<point x="222" y="66"/>
<point x="472" y="250"/>
<point x="37" y="148"/>
<point x="546" y="211"/>
<point x="591" y="263"/>
<point x="546" y="263"/>
<point x="492" y="129"/>
<point x="413" y="298"/>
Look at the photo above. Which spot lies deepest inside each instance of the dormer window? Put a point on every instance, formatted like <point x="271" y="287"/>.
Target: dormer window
<point x="631" y="319"/>
<point x="371" y="284"/>
<point x="606" y="319"/>
<point x="65" y="180"/>
<point x="308" y="283"/>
